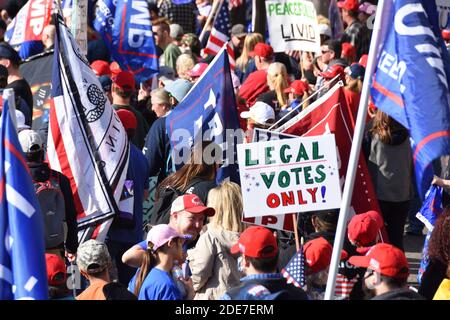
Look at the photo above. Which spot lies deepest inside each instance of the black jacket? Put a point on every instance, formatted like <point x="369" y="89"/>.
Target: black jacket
<point x="432" y="278"/>
<point x="41" y="172"/>
<point x="399" y="294"/>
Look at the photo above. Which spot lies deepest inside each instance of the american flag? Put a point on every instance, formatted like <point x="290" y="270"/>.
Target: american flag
<point x="294" y="271"/>
<point x="220" y="34"/>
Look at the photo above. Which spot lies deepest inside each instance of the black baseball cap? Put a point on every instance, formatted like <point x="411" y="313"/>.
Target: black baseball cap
<point x="8" y="52"/>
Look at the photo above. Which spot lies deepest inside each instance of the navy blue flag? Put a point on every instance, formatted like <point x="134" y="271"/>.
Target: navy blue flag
<point x="428" y="213"/>
<point x="22" y="249"/>
<point x="294" y="271"/>
<point x="127" y="31"/>
<point x="208" y="112"/>
<point x="411" y="80"/>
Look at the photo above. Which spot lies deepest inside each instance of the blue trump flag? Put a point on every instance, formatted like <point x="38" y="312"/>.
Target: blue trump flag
<point x="22" y="249"/>
<point x="208" y="113"/>
<point x="126" y="28"/>
<point x="411" y="80"/>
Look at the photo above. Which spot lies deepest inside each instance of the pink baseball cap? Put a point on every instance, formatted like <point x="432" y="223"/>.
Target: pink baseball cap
<point x="161" y="234"/>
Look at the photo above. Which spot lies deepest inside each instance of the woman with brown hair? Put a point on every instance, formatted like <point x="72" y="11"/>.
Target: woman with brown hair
<point x="197" y="176"/>
<point x="438" y="268"/>
<point x="245" y="63"/>
<point x="389" y="155"/>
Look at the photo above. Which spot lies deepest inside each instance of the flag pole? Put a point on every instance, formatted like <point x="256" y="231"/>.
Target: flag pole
<point x="211" y="16"/>
<point x="8" y="94"/>
<point x="354" y="156"/>
<point x="294" y="221"/>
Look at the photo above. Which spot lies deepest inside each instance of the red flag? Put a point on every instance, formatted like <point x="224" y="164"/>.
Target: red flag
<point x="334" y="116"/>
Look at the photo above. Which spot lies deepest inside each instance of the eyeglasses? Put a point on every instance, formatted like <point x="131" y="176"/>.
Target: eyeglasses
<point x="369" y="273"/>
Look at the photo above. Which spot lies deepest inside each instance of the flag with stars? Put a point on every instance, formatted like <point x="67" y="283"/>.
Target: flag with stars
<point x="208" y="113"/>
<point x="220" y="34"/>
<point x="23" y="273"/>
<point x="294" y="271"/>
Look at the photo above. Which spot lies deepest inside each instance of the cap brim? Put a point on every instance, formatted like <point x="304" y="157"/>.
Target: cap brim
<point x="363" y="250"/>
<point x="201" y="209"/>
<point x="360" y="261"/>
<point x="235" y="249"/>
<point x="246" y="114"/>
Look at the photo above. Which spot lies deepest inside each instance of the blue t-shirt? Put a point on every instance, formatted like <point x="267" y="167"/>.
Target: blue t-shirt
<point x="158" y="285"/>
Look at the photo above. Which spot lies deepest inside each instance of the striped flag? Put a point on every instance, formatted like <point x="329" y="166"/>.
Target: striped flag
<point x="22" y="249"/>
<point x="294" y="271"/>
<point x="220" y="34"/>
<point x="86" y="140"/>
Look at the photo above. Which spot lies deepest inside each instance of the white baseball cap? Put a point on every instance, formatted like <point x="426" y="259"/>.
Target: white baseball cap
<point x="20" y="117"/>
<point x="29" y="139"/>
<point x="260" y="112"/>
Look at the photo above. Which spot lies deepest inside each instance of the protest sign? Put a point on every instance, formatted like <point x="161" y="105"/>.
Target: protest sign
<point x="293" y="25"/>
<point x="285" y="176"/>
<point x="282" y="222"/>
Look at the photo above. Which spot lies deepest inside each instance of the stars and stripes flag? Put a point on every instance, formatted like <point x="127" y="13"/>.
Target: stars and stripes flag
<point x="23" y="273"/>
<point x="294" y="271"/>
<point x="220" y="34"/>
<point x="86" y="140"/>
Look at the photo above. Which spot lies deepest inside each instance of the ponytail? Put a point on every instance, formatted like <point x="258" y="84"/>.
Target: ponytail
<point x="148" y="263"/>
<point x="280" y="85"/>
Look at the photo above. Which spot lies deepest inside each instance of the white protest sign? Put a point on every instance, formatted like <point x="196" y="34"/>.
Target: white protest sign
<point x="293" y="25"/>
<point x="290" y="175"/>
<point x="282" y="222"/>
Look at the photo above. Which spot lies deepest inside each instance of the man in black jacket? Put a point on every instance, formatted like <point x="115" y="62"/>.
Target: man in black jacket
<point x="259" y="256"/>
<point x="387" y="273"/>
<point x="32" y="147"/>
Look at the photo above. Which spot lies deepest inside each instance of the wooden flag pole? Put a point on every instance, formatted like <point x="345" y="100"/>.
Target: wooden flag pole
<point x="294" y="221"/>
<point x="211" y="16"/>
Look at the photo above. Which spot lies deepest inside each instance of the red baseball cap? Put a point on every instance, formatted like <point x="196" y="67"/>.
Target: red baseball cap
<point x="385" y="259"/>
<point x="446" y="34"/>
<point x="124" y="80"/>
<point x="198" y="70"/>
<point x="332" y="72"/>
<point x="350" y="5"/>
<point x="114" y="68"/>
<point x="256" y="242"/>
<point x="297" y="87"/>
<point x="127" y="118"/>
<point x="262" y="50"/>
<point x="318" y="255"/>
<point x="348" y="50"/>
<point x="56" y="269"/>
<point x="363" y="229"/>
<point x="363" y="60"/>
<point x="101" y="68"/>
<point x="191" y="203"/>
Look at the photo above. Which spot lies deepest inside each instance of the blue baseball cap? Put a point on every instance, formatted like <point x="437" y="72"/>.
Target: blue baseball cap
<point x="178" y="89"/>
<point x="356" y="71"/>
<point x="106" y="83"/>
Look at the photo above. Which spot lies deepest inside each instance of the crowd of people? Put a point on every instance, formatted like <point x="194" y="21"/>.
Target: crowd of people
<point x="195" y="245"/>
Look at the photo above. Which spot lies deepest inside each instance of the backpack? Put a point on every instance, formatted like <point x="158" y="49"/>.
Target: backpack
<point x="161" y="210"/>
<point x="51" y="202"/>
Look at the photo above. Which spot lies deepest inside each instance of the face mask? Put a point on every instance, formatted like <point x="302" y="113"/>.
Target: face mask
<point x="239" y="264"/>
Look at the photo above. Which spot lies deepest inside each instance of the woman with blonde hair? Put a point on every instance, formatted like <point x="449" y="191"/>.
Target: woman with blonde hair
<point x="245" y="64"/>
<point x="214" y="269"/>
<point x="185" y="63"/>
<point x="161" y="105"/>
<point x="277" y="80"/>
